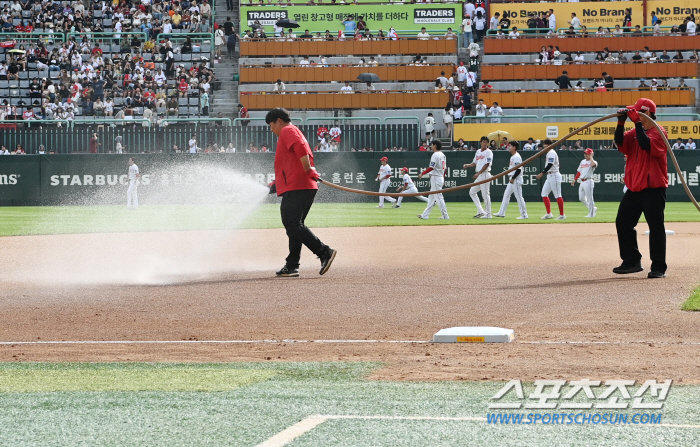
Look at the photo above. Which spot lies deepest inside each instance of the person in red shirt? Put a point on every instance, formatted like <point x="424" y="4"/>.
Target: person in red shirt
<point x="94" y="144"/>
<point x="183" y="87"/>
<point x="296" y="182"/>
<point x="646" y="178"/>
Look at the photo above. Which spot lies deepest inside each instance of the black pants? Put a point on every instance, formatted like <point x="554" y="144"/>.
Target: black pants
<point x="295" y="206"/>
<point x="229" y="5"/>
<point x="651" y="202"/>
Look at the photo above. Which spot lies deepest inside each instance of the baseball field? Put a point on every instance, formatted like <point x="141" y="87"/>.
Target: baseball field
<point x="167" y="326"/>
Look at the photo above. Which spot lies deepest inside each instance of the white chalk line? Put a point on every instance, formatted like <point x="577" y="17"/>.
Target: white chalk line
<point x="294" y="341"/>
<point x="306" y="425"/>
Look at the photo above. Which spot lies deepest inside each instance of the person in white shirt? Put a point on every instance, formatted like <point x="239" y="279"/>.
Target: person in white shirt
<point x="690" y="27"/>
<point x="552" y="22"/>
<point x="585" y="173"/>
<point x="480" y="109"/>
<point x="575" y="21"/>
<point x="429" y="125"/>
<point x="304" y="62"/>
<point x="578" y="59"/>
<point x="514" y="34"/>
<point x="495" y="20"/>
<point x="690" y="144"/>
<point x="325" y="143"/>
<point x="467" y="36"/>
<point x="193" y="145"/>
<point x="515" y="184"/>
<point x="132" y="200"/>
<point x="448" y="119"/>
<point x="335" y="133"/>
<point x="462" y="73"/>
<point x="384" y="179"/>
<point x="483" y="159"/>
<point x="495" y="111"/>
<point x="436" y="171"/>
<point x="552" y="184"/>
<point x="118" y="147"/>
<point x="423" y="35"/>
<point x="678" y="145"/>
<point x="469" y="8"/>
<point x="279" y="87"/>
<point x="407" y="187"/>
<point x="346" y="88"/>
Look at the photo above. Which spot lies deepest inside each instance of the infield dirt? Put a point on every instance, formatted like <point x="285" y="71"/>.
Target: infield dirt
<point x="573" y="318"/>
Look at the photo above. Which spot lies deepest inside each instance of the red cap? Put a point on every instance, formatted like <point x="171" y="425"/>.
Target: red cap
<point x="644" y="105"/>
<point x="461" y="63"/>
<point x="404" y="169"/>
<point x="384" y="159"/>
<point x="588" y="151"/>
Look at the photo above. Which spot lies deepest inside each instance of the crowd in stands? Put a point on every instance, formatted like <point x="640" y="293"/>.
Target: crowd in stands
<point x="61" y="68"/>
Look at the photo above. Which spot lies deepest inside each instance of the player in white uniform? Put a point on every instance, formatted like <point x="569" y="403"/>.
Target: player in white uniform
<point x="515" y="185"/>
<point x="408" y="187"/>
<point x="436" y="170"/>
<point x="193" y="145"/>
<point x="585" y="173"/>
<point x="384" y="177"/>
<point x="132" y="200"/>
<point x="483" y="159"/>
<point x="552" y="184"/>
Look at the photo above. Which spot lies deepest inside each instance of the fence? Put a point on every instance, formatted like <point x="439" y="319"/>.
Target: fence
<point x="139" y="139"/>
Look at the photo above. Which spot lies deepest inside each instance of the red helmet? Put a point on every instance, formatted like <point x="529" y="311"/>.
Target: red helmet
<point x="404" y="169"/>
<point x="588" y="151"/>
<point x="384" y="159"/>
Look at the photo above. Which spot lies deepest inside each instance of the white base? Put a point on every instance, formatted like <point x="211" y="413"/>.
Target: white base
<point x="477" y="334"/>
<point x="668" y="232"/>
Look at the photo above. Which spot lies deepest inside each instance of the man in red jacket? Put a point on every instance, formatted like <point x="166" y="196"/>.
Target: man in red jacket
<point x="296" y="181"/>
<point x="646" y="178"/>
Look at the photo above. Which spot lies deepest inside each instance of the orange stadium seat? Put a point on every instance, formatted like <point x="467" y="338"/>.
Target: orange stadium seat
<point x="356" y="47"/>
<point x="589" y="71"/>
<point x="611" y="98"/>
<point x="332" y="100"/>
<point x="392" y="72"/>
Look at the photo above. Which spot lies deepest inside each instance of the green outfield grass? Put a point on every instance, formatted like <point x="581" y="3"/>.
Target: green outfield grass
<point x="264" y="399"/>
<point x="693" y="301"/>
<point x="17" y="221"/>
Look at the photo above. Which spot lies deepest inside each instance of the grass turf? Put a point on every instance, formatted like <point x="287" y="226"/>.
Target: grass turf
<point x="250" y="413"/>
<point x="693" y="301"/>
<point x="17" y="221"/>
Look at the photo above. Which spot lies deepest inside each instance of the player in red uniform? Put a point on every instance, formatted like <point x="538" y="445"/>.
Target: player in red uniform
<point x="296" y="181"/>
<point x="646" y="178"/>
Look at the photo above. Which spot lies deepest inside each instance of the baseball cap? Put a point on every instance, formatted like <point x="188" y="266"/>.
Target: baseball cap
<point x="404" y="169"/>
<point x="461" y="63"/>
<point x="384" y="159"/>
<point x="588" y="151"/>
<point x="644" y="105"/>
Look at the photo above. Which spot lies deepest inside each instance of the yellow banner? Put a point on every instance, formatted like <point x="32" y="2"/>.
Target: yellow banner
<point x="672" y="12"/>
<point x="542" y="131"/>
<point x="591" y="14"/>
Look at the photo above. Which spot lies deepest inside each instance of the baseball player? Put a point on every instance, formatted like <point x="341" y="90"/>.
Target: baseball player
<point x="515" y="185"/>
<point x="408" y="187"/>
<point x="552" y="184"/>
<point x="436" y="170"/>
<point x="482" y="160"/>
<point x="384" y="177"/>
<point x="132" y="200"/>
<point x="585" y="173"/>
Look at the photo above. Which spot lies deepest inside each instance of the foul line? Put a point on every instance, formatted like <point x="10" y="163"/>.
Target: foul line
<point x="293" y="341"/>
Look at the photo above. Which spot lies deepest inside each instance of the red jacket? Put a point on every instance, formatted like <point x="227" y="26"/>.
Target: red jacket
<point x="645" y="169"/>
<point x="289" y="172"/>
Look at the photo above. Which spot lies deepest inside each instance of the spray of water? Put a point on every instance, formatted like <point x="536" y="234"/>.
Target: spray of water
<point x="186" y="227"/>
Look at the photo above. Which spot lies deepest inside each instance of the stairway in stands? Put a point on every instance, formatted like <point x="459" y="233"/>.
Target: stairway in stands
<point x="226" y="98"/>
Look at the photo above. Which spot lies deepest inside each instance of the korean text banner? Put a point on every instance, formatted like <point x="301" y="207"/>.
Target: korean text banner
<point x="591" y="14"/>
<point x="672" y="12"/>
<point x="541" y="131"/>
<point x="319" y="18"/>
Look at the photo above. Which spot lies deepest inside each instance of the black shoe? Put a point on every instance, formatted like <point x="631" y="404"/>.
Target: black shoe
<point x="326" y="260"/>
<point x="288" y="272"/>
<point x="624" y="269"/>
<point x="653" y="274"/>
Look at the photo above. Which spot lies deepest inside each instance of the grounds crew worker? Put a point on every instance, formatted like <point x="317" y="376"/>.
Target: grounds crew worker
<point x="296" y="181"/>
<point x="646" y="178"/>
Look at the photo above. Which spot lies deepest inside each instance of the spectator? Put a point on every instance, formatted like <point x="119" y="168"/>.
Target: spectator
<point x="678" y="57"/>
<point x="370" y="87"/>
<point x="479" y="25"/>
<point x="690" y="145"/>
<point x="204" y="102"/>
<point x="346" y="88"/>
<point x="665" y="57"/>
<point x="231" y="45"/>
<point x="642" y="84"/>
<point x="657" y="28"/>
<point x="678" y="145"/>
<point x="429" y="125"/>
<point x="350" y="25"/>
<point x="579" y="58"/>
<point x="466" y="27"/>
<point x="563" y="81"/>
<point x="514" y="34"/>
<point x="172" y="106"/>
<point x="442" y="79"/>
<point x="495" y="112"/>
<point x="423" y="35"/>
<point x="552" y="21"/>
<point x="486" y="87"/>
<point x="690" y="26"/>
<point x="481" y="109"/>
<point x="495" y="20"/>
<point x="530" y="145"/>
<point x="448" y="119"/>
<point x="609" y="81"/>
<point x="637" y="58"/>
<point x="279" y="87"/>
<point x="449" y="35"/>
<point x="682" y="85"/>
<point x="575" y="21"/>
<point x="637" y="31"/>
<point x="243" y="113"/>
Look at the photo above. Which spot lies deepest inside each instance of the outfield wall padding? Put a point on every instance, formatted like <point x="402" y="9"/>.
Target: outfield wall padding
<point x="101" y="178"/>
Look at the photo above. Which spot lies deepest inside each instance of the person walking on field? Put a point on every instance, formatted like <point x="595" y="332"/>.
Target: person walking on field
<point x="436" y="170"/>
<point x="384" y="179"/>
<point x="482" y="160"/>
<point x="585" y="173"/>
<point x="407" y="187"/>
<point x="132" y="199"/>
<point x="515" y="185"/>
<point x="552" y="183"/>
<point x="646" y="180"/>
<point x="296" y="182"/>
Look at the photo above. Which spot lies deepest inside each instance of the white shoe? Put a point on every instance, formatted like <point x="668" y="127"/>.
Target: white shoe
<point x="380" y="206"/>
<point x="595" y="209"/>
<point x="547" y="216"/>
<point x="561" y="217"/>
<point x="420" y="216"/>
<point x="486" y="216"/>
<point x="521" y="217"/>
<point x="498" y="215"/>
<point x="587" y="216"/>
<point x="444" y="218"/>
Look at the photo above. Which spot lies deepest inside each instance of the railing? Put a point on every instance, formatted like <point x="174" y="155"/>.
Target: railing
<point x="238" y="120"/>
<point x="271" y="47"/>
<point x="341" y="72"/>
<point x="33" y="37"/>
<point x="200" y="120"/>
<point x="592" y="43"/>
<point x="336" y="100"/>
<point x="111" y="37"/>
<point x="510" y="117"/>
